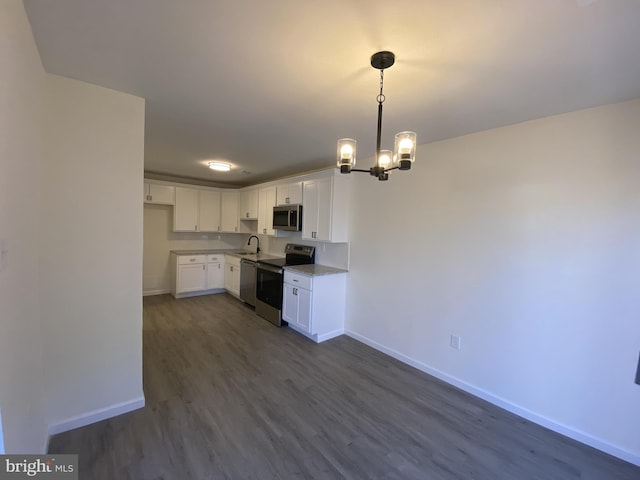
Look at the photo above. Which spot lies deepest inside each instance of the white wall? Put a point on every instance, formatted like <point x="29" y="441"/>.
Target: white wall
<point x="21" y="155"/>
<point x="524" y="241"/>
<point x="91" y="252"/>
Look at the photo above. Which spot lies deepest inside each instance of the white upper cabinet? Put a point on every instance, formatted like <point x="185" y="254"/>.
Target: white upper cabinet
<point x="289" y="193"/>
<point x="325" y="209"/>
<point x="185" y="212"/>
<point x="161" y="194"/>
<point x="249" y="205"/>
<point x="229" y="211"/>
<point x="196" y="210"/>
<point x="209" y="211"/>
<point x="324" y="198"/>
<point x="266" y="202"/>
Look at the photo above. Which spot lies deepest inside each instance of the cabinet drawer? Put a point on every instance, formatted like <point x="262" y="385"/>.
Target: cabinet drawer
<point x="302" y="281"/>
<point x="187" y="259"/>
<point x="215" y="258"/>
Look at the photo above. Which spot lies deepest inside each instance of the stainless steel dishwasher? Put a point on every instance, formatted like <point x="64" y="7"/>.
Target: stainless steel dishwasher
<point x="248" y="282"/>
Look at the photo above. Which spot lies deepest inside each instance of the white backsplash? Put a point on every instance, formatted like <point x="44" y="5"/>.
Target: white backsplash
<point x="330" y="254"/>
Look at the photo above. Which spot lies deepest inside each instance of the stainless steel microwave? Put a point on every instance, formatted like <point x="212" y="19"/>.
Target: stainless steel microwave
<point x="287" y="217"/>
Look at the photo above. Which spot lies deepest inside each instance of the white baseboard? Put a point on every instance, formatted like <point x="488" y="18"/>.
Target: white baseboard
<point x="148" y="293"/>
<point x="96" y="416"/>
<point x="329" y="335"/>
<point x="565" y="430"/>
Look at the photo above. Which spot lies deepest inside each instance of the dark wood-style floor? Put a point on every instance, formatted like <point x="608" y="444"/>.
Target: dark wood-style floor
<point x="230" y="396"/>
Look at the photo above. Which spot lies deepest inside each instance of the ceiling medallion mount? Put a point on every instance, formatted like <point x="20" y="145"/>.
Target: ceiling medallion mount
<point x="405" y="142"/>
<point x="382" y="60"/>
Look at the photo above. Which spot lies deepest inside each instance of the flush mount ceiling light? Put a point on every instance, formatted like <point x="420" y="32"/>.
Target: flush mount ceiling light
<point x="219" y="166"/>
<point x="404" y="152"/>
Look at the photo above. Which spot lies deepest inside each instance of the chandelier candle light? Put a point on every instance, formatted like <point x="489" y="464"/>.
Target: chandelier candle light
<point x="404" y="151"/>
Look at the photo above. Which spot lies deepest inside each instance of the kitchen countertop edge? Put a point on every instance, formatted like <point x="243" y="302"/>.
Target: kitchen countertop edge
<point x="315" y="270"/>
<point x="235" y="252"/>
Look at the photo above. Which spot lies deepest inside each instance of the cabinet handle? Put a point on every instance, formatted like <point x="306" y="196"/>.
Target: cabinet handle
<point x="247" y="214"/>
<point x="264" y="230"/>
<point x="203" y="266"/>
<point x="236" y="229"/>
<point x="195" y="227"/>
<point x="192" y="259"/>
<point x="295" y="280"/>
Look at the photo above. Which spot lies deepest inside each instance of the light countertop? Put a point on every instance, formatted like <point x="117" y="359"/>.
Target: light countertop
<point x="235" y="252"/>
<point x="314" y="269"/>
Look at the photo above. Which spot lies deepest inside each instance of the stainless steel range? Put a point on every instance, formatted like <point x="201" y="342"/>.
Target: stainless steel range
<point x="269" y="279"/>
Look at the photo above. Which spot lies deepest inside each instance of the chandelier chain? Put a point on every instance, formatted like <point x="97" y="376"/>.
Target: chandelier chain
<point x="381" y="97"/>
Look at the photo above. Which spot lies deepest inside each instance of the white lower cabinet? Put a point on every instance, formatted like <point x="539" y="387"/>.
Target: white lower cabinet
<point x="215" y="271"/>
<point x="232" y="275"/>
<point x="296" y="307"/>
<point x="314" y="305"/>
<point x="196" y="274"/>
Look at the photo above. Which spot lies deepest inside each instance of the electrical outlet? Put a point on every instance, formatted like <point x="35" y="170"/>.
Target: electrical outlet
<point x="454" y="342"/>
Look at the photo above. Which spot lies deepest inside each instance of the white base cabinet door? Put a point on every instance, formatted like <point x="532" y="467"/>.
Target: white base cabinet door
<point x="232" y="275"/>
<point x="196" y="274"/>
<point x="191" y="273"/>
<point x="296" y="307"/>
<point x="314" y="305"/>
<point x="191" y="278"/>
<point x="215" y="272"/>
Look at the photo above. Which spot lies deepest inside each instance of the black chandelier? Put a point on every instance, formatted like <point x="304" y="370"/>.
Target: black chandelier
<point x="404" y="151"/>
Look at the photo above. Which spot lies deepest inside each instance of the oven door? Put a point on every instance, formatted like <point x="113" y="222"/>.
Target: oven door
<point x="269" y="285"/>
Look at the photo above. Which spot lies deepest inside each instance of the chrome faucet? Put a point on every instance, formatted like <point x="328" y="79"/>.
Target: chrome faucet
<point x="249" y="243"/>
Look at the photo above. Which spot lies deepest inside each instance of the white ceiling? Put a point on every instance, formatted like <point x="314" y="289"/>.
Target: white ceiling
<point x="270" y="85"/>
